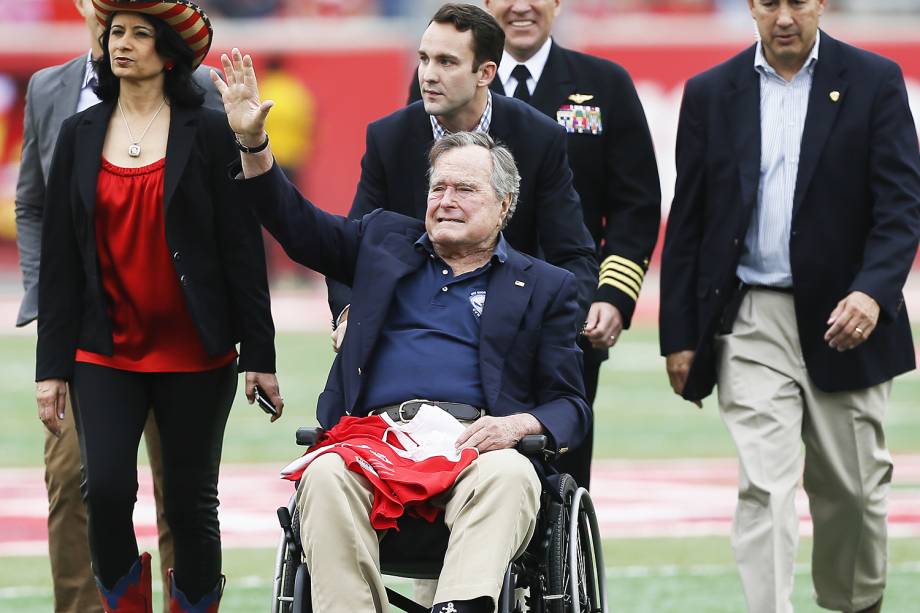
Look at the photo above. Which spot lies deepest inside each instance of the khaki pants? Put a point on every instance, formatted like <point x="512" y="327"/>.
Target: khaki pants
<point x="771" y="408"/>
<point x="68" y="548"/>
<point x="491" y="512"/>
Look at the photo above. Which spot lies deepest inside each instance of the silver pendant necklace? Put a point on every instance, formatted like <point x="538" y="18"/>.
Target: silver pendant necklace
<point x="134" y="149"/>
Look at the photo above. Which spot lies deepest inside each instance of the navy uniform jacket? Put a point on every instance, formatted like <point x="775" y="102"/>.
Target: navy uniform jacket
<point x="527" y="354"/>
<point x="548" y="222"/>
<point x="615" y="172"/>
<point x="856" y="212"/>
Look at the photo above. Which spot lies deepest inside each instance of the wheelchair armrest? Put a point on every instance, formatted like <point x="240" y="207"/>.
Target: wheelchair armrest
<point x="307" y="436"/>
<point x="532" y="444"/>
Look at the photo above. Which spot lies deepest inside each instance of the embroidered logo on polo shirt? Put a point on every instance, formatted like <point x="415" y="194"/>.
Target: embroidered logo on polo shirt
<point x="478" y="300"/>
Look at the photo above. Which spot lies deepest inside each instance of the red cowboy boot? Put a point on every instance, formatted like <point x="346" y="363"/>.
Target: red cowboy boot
<point x="209" y="603"/>
<point x="132" y="593"/>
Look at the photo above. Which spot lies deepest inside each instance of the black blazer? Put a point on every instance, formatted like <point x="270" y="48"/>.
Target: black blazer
<point x="528" y="360"/>
<point x="215" y="242"/>
<point x="856" y="212"/>
<point x="547" y="223"/>
<point x="615" y="172"/>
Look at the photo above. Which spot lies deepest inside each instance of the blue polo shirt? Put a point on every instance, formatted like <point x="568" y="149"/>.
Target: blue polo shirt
<point x="429" y="344"/>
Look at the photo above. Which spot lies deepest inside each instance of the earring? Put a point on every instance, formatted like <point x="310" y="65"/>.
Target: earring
<point x="168" y="66"/>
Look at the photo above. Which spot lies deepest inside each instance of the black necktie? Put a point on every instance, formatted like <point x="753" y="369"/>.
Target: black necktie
<point x="521" y="73"/>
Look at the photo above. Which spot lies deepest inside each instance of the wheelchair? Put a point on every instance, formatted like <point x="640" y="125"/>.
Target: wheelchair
<point x="560" y="571"/>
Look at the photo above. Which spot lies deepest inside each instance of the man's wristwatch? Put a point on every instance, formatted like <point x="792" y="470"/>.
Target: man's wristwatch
<point x="256" y="149"/>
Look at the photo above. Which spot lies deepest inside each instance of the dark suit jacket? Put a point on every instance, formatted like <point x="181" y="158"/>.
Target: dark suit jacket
<point x="856" y="212"/>
<point x="547" y="223"/>
<point x="615" y="172"/>
<point x="215" y="242"/>
<point x="52" y="97"/>
<point x="527" y="354"/>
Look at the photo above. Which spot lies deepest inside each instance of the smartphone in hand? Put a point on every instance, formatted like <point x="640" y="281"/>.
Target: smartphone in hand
<point x="264" y="403"/>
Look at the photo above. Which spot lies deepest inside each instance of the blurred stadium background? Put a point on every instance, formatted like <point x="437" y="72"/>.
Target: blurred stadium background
<point x="666" y="471"/>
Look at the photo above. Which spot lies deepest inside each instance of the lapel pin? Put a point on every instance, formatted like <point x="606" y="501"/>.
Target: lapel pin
<point x="519" y="283"/>
<point x="835" y="96"/>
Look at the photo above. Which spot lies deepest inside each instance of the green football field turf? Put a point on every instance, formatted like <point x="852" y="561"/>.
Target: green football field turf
<point x="643" y="576"/>
<point x="637" y="417"/>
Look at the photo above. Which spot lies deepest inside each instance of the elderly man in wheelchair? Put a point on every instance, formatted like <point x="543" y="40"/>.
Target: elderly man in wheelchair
<point x="444" y="310"/>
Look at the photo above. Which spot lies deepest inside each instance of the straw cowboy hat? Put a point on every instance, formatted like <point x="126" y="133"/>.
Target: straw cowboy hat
<point x="183" y="16"/>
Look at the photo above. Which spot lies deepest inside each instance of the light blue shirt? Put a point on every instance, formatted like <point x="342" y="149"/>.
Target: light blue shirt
<point x="783" y="106"/>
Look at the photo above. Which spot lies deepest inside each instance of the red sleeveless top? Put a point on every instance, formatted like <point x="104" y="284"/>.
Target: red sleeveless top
<point x="152" y="328"/>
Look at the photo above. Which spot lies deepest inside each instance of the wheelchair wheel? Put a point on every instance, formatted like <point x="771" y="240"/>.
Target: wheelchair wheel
<point x="286" y="563"/>
<point x="283" y="582"/>
<point x="575" y="579"/>
<point x="302" y="600"/>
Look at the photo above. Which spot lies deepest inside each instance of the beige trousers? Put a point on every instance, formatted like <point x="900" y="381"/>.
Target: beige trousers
<point x="491" y="512"/>
<point x="68" y="548"/>
<point x="771" y="408"/>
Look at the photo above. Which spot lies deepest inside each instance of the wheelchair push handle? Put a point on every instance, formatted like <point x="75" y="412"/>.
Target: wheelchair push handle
<point x="532" y="444"/>
<point x="307" y="436"/>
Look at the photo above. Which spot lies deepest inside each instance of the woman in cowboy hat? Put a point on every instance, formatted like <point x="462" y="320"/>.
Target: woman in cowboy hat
<point x="150" y="275"/>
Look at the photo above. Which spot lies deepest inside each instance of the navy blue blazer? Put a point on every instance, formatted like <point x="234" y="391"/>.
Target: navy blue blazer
<point x="856" y="212"/>
<point x="527" y="354"/>
<point x="548" y="221"/>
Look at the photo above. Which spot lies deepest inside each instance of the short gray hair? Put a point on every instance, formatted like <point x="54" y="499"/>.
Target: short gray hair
<point x="506" y="181"/>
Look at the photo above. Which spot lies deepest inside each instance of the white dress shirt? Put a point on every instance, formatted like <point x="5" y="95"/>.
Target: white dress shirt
<point x="88" y="97"/>
<point x="535" y="65"/>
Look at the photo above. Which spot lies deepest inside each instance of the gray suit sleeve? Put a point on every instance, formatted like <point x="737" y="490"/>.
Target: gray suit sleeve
<point x="30" y="199"/>
<point x="212" y="99"/>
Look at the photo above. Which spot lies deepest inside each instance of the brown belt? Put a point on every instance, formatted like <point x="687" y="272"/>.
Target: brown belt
<point x="408" y="409"/>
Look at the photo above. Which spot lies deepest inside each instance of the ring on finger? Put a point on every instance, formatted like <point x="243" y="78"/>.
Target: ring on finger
<point x="858" y="331"/>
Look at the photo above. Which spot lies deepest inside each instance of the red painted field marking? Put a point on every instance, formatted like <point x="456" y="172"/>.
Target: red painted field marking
<point x="634" y="499"/>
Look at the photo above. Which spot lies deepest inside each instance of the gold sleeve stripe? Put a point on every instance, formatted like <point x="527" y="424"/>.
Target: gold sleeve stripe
<point x="625" y="262"/>
<point x="623" y="270"/>
<point x="622" y="287"/>
<point x="622" y="279"/>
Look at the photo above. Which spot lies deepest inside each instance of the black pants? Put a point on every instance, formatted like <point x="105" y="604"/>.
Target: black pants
<point x="191" y="411"/>
<point x="577" y="462"/>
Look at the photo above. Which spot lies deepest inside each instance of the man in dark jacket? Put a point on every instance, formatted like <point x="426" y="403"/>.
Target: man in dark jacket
<point x="793" y="229"/>
<point x="459" y="55"/>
